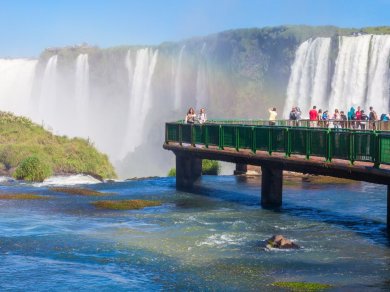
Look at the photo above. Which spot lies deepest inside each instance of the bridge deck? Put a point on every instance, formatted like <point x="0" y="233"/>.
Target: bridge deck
<point x="360" y="170"/>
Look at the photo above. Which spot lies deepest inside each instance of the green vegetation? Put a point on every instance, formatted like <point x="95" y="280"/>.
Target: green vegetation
<point x="22" y="197"/>
<point x="78" y="191"/>
<point x="126" y="204"/>
<point x="376" y="30"/>
<point x="33" y="169"/>
<point x="26" y="146"/>
<point x="210" y="167"/>
<point x="172" y="172"/>
<point x="302" y="286"/>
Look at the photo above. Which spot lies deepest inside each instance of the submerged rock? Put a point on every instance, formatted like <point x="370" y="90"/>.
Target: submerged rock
<point x="279" y="241"/>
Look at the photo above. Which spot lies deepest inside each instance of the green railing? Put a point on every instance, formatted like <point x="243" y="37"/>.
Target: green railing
<point x="347" y="144"/>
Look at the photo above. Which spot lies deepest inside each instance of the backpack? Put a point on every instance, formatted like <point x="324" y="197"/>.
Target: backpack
<point x="383" y="117"/>
<point x="373" y="116"/>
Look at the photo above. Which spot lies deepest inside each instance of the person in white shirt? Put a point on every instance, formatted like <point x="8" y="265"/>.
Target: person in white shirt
<point x="202" y="118"/>
<point x="272" y="116"/>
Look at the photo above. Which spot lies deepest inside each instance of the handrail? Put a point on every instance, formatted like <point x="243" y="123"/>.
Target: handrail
<point x="360" y="125"/>
<point x="329" y="143"/>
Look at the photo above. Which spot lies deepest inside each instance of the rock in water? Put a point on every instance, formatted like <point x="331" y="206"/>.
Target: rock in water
<point x="279" y="241"/>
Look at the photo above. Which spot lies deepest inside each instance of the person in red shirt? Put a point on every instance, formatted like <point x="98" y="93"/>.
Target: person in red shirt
<point x="313" y="114"/>
<point x="358" y="115"/>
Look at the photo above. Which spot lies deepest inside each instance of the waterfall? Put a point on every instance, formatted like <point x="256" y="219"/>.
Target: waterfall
<point x="48" y="97"/>
<point x="140" y="97"/>
<point x="379" y="74"/>
<point x="16" y="80"/>
<point x="178" y="80"/>
<point x="361" y="74"/>
<point x="82" y="94"/>
<point x="201" y="82"/>
<point x="349" y="82"/>
<point x="309" y="76"/>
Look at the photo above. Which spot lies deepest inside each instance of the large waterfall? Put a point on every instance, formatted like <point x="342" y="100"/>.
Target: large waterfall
<point x="16" y="81"/>
<point x="82" y="94"/>
<point x="361" y="74"/>
<point x="140" y="97"/>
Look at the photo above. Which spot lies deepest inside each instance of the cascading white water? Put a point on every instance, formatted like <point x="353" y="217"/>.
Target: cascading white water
<point x="16" y="80"/>
<point x="349" y="82"/>
<point x="178" y="80"/>
<point x="140" y="97"/>
<point x="201" y="82"/>
<point x="379" y="74"/>
<point x="361" y="75"/>
<point x="309" y="75"/>
<point x="48" y="96"/>
<point x="82" y="95"/>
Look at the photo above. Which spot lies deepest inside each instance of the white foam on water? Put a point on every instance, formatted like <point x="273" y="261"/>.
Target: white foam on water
<point x="62" y="180"/>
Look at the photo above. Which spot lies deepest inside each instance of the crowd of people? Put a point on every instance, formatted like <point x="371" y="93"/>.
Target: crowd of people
<point x="192" y="117"/>
<point x="356" y="119"/>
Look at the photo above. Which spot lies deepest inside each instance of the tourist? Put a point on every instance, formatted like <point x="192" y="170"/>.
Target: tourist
<point x="344" y="119"/>
<point x="190" y="117"/>
<point x="325" y="118"/>
<point x="352" y="117"/>
<point x="202" y="118"/>
<point x="358" y="117"/>
<point x="272" y="116"/>
<point x="373" y="117"/>
<point x="336" y="119"/>
<point x="293" y="117"/>
<point x="319" y="118"/>
<point x="363" y="119"/>
<point x="299" y="113"/>
<point x="313" y="115"/>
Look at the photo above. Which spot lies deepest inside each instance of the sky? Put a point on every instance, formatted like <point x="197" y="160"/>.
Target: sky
<point x="27" y="27"/>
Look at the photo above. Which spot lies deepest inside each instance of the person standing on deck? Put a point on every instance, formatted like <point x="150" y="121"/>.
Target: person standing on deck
<point x="272" y="116"/>
<point x="313" y="114"/>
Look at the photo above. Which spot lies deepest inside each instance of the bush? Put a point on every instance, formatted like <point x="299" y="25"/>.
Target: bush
<point x="210" y="167"/>
<point x="33" y="169"/>
<point x="172" y="172"/>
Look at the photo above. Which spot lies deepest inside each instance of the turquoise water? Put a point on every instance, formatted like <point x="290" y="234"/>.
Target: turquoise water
<point x="209" y="240"/>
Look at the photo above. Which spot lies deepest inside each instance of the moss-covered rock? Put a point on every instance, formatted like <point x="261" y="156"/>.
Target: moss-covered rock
<point x="22" y="196"/>
<point x="78" y="191"/>
<point x="302" y="286"/>
<point x="126" y="204"/>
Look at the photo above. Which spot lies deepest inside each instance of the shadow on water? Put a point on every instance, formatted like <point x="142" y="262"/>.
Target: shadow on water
<point x="372" y="229"/>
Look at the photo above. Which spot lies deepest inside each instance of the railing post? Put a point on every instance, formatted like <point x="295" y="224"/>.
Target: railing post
<point x="220" y="140"/>
<point x="287" y="142"/>
<point x="352" y="146"/>
<point x="206" y="136"/>
<point x="329" y="146"/>
<point x="192" y="135"/>
<point x="270" y="141"/>
<point x="254" y="140"/>
<point x="308" y="142"/>
<point x="377" y="150"/>
<point x="181" y="135"/>
<point x="237" y="132"/>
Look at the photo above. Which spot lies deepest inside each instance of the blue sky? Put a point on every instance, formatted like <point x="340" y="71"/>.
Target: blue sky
<point x="29" y="26"/>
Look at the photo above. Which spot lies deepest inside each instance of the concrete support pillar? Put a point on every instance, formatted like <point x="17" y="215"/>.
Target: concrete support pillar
<point x="241" y="169"/>
<point x="271" y="187"/>
<point x="188" y="171"/>
<point x="388" y="208"/>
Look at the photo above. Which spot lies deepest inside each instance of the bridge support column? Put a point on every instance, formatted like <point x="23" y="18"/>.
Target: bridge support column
<point x="271" y="187"/>
<point x="241" y="169"/>
<point x="188" y="171"/>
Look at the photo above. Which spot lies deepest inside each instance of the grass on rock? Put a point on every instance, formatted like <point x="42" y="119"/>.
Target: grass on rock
<point x="22" y="197"/>
<point x="302" y="286"/>
<point x="126" y="204"/>
<point x="78" y="191"/>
